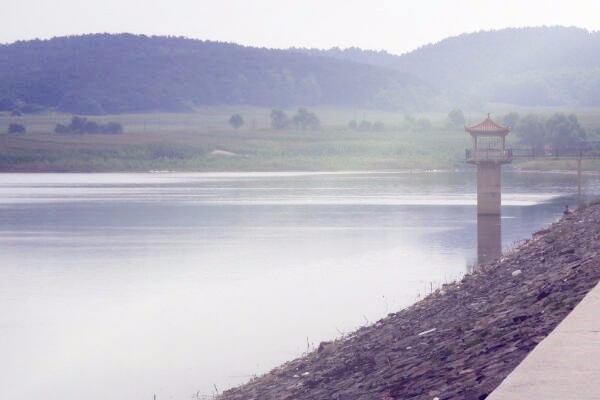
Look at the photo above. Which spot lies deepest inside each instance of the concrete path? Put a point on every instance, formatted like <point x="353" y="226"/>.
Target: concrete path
<point x="565" y="365"/>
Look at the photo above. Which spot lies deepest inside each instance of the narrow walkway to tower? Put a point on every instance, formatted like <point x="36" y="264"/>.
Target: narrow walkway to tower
<point x="565" y="365"/>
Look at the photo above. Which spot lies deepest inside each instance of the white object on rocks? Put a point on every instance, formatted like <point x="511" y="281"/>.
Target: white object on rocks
<point x="222" y="153"/>
<point x="516" y="272"/>
<point x="427" y="331"/>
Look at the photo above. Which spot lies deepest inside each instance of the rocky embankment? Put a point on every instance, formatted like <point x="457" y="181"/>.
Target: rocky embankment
<point x="462" y="340"/>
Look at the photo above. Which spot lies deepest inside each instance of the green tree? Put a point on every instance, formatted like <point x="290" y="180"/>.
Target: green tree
<point x="378" y="126"/>
<point x="279" y="119"/>
<point x="60" y="128"/>
<point x="365" y="126"/>
<point x="409" y="122"/>
<point x="456" y="118"/>
<point x="113" y="128"/>
<point x="564" y="131"/>
<point x="92" y="127"/>
<point x="511" y="119"/>
<point x="423" y="124"/>
<point x="82" y="125"/>
<point x="16" y="128"/>
<point x="305" y="119"/>
<point x="77" y="124"/>
<point x="353" y="125"/>
<point x="236" y="121"/>
<point x="531" y="132"/>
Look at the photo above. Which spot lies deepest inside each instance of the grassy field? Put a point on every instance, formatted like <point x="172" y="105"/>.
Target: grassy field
<point x="203" y="141"/>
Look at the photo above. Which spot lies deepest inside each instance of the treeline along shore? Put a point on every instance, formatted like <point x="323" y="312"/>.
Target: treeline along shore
<point x="462" y="340"/>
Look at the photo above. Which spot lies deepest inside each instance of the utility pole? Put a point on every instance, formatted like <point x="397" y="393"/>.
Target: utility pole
<point x="579" y="175"/>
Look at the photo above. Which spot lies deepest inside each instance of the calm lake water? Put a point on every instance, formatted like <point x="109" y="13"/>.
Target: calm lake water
<point x="122" y="286"/>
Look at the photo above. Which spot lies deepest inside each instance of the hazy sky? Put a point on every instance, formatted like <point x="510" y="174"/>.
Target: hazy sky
<point x="396" y="26"/>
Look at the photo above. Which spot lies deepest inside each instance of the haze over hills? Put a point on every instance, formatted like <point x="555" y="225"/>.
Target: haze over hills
<point x="523" y="66"/>
<point x="95" y="74"/>
<point x="102" y="73"/>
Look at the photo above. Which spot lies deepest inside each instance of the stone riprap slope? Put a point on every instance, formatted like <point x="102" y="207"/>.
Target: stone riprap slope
<point x="461" y="341"/>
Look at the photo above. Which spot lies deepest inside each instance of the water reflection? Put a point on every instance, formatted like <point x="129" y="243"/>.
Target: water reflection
<point x="122" y="286"/>
<point x="489" y="238"/>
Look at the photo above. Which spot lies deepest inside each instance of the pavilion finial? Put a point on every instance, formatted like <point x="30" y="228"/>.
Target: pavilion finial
<point x="488" y="115"/>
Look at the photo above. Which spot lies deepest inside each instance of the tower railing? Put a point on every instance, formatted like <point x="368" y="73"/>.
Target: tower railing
<point x="488" y="155"/>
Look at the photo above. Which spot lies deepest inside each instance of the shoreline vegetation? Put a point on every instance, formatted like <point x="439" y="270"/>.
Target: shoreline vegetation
<point x="463" y="339"/>
<point x="206" y="141"/>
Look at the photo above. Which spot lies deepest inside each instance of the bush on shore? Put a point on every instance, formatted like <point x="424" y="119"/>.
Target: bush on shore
<point x="16" y="128"/>
<point x="80" y="125"/>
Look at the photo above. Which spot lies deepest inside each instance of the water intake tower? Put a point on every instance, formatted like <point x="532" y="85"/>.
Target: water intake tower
<point x="488" y="152"/>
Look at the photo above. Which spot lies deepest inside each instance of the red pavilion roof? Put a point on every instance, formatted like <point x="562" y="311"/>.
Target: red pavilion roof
<point x="487" y="126"/>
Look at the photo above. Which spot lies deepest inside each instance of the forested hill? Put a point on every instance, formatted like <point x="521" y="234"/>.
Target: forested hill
<point x="102" y="73"/>
<point x="524" y="66"/>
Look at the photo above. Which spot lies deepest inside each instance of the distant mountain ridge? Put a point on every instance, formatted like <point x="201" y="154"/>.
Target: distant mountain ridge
<point x="523" y="66"/>
<point x="104" y="73"/>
